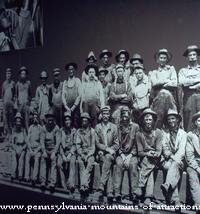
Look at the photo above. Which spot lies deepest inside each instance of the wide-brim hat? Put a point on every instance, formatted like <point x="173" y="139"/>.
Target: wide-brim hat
<point x="163" y="51"/>
<point x="174" y="113"/>
<point x="56" y="71"/>
<point x="102" y="70"/>
<point x="191" y="48"/>
<point x="105" y="109"/>
<point x="139" y="66"/>
<point x="71" y="64"/>
<point x="18" y="115"/>
<point x="137" y="56"/>
<point x="91" y="55"/>
<point x="148" y="111"/>
<point x="105" y="52"/>
<point x="85" y="115"/>
<point x="23" y="68"/>
<point x="50" y="113"/>
<point x="43" y="74"/>
<point x="8" y="70"/>
<point x="92" y="66"/>
<point x="125" y="111"/>
<point x="122" y="52"/>
<point x="195" y="116"/>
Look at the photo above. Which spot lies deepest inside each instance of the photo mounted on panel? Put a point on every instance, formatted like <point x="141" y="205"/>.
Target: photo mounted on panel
<point x="21" y="24"/>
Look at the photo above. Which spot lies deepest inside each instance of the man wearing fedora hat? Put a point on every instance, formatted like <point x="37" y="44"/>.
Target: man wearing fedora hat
<point x="107" y="145"/>
<point x="55" y="96"/>
<point x="164" y="85"/>
<point x="120" y="93"/>
<point x="189" y="79"/>
<point x="34" y="150"/>
<point x="104" y="56"/>
<point x="19" y="144"/>
<point x="71" y="93"/>
<point x="42" y="97"/>
<point x="23" y="95"/>
<point x="127" y="158"/>
<point x="193" y="159"/>
<point x="8" y="97"/>
<point x="67" y="154"/>
<point x="149" y="142"/>
<point x="51" y="140"/>
<point x="85" y="145"/>
<point x="105" y="85"/>
<point x="174" y="142"/>
<point x="92" y="97"/>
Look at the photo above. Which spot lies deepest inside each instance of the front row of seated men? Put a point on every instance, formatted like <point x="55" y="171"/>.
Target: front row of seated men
<point x="139" y="149"/>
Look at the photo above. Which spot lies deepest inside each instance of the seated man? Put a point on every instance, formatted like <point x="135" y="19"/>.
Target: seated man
<point x="34" y="151"/>
<point x="18" y="144"/>
<point x="127" y="158"/>
<point x="67" y="156"/>
<point x="149" y="141"/>
<point x="85" y="144"/>
<point x="107" y="144"/>
<point x="193" y="159"/>
<point x="174" y="141"/>
<point x="50" y="144"/>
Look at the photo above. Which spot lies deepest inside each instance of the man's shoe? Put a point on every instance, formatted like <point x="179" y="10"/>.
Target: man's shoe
<point x="101" y="196"/>
<point x="118" y="199"/>
<point x="147" y="201"/>
<point x="134" y="198"/>
<point x="165" y="190"/>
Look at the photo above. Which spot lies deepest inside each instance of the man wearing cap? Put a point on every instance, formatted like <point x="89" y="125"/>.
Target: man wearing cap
<point x="120" y="93"/>
<point x="42" y="97"/>
<point x="105" y="85"/>
<point x="19" y="144"/>
<point x="71" y="93"/>
<point x="149" y="142"/>
<point x="107" y="145"/>
<point x="127" y="158"/>
<point x="85" y="144"/>
<point x="67" y="154"/>
<point x="55" y="96"/>
<point x="193" y="159"/>
<point x="164" y="86"/>
<point x="174" y="142"/>
<point x="104" y="56"/>
<point x="91" y="60"/>
<point x="23" y="95"/>
<point x="34" y="150"/>
<point x="8" y="95"/>
<point x="189" y="79"/>
<point x="92" y="98"/>
<point x="141" y="88"/>
<point x="50" y="145"/>
<point x="136" y="60"/>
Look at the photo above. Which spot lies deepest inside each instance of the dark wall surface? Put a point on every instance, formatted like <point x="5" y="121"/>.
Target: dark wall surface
<point x="74" y="27"/>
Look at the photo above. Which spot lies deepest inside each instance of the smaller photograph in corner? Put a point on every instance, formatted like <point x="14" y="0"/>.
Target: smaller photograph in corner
<point x="21" y="24"/>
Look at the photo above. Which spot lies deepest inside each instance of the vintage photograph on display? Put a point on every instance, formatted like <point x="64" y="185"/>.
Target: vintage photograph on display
<point x="105" y="116"/>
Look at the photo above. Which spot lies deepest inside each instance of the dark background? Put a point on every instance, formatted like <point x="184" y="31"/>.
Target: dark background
<point x="74" y="27"/>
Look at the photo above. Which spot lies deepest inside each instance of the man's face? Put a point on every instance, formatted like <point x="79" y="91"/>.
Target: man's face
<point x="57" y="78"/>
<point x="172" y="121"/>
<point x="35" y="119"/>
<point x="102" y="76"/>
<point x="91" y="73"/>
<point x="105" y="59"/>
<point x="68" y="122"/>
<point x="8" y="75"/>
<point x="44" y="80"/>
<point x="105" y="116"/>
<point x="122" y="59"/>
<point x="5" y="23"/>
<point x="85" y="122"/>
<point x="18" y="123"/>
<point x="125" y="119"/>
<point x="197" y="123"/>
<point x="91" y="61"/>
<point x="23" y="75"/>
<point x="139" y="74"/>
<point x="192" y="56"/>
<point x="50" y="121"/>
<point x="120" y="73"/>
<point x="71" y="70"/>
<point x="148" y="121"/>
<point x="162" y="60"/>
<point x="135" y="63"/>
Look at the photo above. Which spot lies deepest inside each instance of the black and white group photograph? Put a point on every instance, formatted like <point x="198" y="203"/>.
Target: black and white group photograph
<point x="100" y="106"/>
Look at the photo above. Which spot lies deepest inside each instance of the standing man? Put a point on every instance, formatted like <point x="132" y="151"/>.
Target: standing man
<point x="34" y="150"/>
<point x="23" y="95"/>
<point x="164" y="86"/>
<point x="50" y="144"/>
<point x="149" y="141"/>
<point x="85" y="144"/>
<point x="193" y="159"/>
<point x="189" y="79"/>
<point x="71" y="93"/>
<point x="127" y="158"/>
<point x="42" y="97"/>
<point x="55" y="97"/>
<point x="8" y="96"/>
<point x="120" y="93"/>
<point x="105" y="56"/>
<point x="107" y="145"/>
<point x="92" y="98"/>
<point x="174" y="142"/>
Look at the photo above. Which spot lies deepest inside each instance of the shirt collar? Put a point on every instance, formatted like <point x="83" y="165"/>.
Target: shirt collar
<point x="190" y="67"/>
